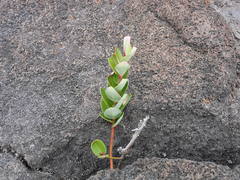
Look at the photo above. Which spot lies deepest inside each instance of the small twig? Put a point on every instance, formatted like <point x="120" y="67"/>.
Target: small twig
<point x="138" y="130"/>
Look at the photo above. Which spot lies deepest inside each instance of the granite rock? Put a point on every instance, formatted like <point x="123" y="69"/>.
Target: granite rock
<point x="53" y="62"/>
<point x="230" y="10"/>
<point x="168" y="169"/>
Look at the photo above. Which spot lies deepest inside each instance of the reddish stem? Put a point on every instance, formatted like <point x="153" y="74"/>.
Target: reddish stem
<point x="120" y="77"/>
<point x="112" y="138"/>
<point x="111" y="146"/>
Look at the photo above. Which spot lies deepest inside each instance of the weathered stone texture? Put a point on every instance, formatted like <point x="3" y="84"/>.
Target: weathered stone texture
<point x="12" y="169"/>
<point x="167" y="169"/>
<point x="53" y="62"/>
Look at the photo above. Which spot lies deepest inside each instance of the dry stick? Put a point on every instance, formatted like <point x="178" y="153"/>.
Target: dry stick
<point x="138" y="130"/>
<point x="111" y="147"/>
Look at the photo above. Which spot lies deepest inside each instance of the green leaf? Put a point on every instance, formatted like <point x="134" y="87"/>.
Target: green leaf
<point x="112" y="94"/>
<point x="133" y="51"/>
<point x="125" y="76"/>
<point x="112" y="61"/>
<point x="122" y="68"/>
<point x="103" y="104"/>
<point x="122" y="86"/>
<point x="98" y="148"/>
<point x="113" y="80"/>
<point x="119" y="120"/>
<point x="106" y="119"/>
<point x="112" y="113"/>
<point x="129" y="51"/>
<point x="125" y="102"/>
<point x="121" y="101"/>
<point x="126" y="45"/>
<point x="130" y="55"/>
<point x="119" y="55"/>
<point x="105" y="97"/>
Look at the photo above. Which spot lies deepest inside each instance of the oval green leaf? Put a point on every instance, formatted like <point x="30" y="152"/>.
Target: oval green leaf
<point x="122" y="68"/>
<point x="106" y="119"/>
<point x="119" y="120"/>
<point x="98" y="148"/>
<point x="105" y="97"/>
<point x="125" y="102"/>
<point x="112" y="61"/>
<point x="112" y="113"/>
<point x="119" y="55"/>
<point x="103" y="105"/>
<point x="122" y="86"/>
<point x="112" y="94"/>
<point x="121" y="101"/>
<point x="113" y="80"/>
<point x="130" y="54"/>
<point x="126" y="45"/>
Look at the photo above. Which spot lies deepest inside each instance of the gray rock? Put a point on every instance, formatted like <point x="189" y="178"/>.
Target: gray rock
<point x="13" y="169"/>
<point x="230" y="10"/>
<point x="168" y="169"/>
<point x="53" y="62"/>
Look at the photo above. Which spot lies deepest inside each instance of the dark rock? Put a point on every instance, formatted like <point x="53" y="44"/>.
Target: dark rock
<point x="169" y="169"/>
<point x="11" y="168"/>
<point x="53" y="62"/>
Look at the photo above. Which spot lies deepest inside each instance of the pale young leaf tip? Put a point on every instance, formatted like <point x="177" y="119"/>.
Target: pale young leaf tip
<point x="126" y="44"/>
<point x="127" y="39"/>
<point x="133" y="51"/>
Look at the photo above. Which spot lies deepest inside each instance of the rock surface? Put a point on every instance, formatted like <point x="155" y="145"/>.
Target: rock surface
<point x="12" y="169"/>
<point x="168" y="169"/>
<point x="230" y="10"/>
<point x="53" y="62"/>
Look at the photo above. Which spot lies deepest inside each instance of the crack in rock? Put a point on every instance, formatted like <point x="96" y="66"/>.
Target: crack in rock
<point x="9" y="150"/>
<point x="195" y="47"/>
<point x="52" y="74"/>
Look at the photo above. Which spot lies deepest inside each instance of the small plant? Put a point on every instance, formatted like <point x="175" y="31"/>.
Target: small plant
<point x="114" y="98"/>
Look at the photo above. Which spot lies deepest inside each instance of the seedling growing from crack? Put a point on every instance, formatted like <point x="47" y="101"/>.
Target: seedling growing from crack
<point x="114" y="98"/>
